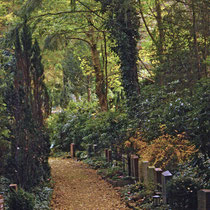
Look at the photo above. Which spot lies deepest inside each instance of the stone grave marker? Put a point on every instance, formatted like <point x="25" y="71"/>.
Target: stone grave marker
<point x="136" y="166"/>
<point x="151" y="174"/>
<point x="89" y="150"/>
<point x="109" y="155"/>
<point x="106" y="154"/>
<point x="132" y="165"/>
<point x="140" y="171"/>
<point x="119" y="154"/>
<point x="203" y="196"/>
<point x="158" y="173"/>
<point x="129" y="165"/>
<point x="145" y="165"/>
<point x="166" y="176"/>
<point x="72" y="150"/>
<point x="95" y="148"/>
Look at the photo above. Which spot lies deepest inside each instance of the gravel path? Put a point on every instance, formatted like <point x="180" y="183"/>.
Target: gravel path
<point x="77" y="187"/>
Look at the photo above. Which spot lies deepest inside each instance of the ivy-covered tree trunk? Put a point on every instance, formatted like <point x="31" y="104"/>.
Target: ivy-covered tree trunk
<point x="26" y="102"/>
<point x="123" y="24"/>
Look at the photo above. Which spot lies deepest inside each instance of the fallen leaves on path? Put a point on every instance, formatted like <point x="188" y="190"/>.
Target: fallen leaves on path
<point x="78" y="187"/>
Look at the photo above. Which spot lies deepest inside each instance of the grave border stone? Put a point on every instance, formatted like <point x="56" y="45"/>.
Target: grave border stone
<point x="72" y="147"/>
<point x="166" y="176"/>
<point x="203" y="197"/>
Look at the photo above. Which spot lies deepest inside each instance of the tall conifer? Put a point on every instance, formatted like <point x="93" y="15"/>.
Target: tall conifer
<point x="30" y="146"/>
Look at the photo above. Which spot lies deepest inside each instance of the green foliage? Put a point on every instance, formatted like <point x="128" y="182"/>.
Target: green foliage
<point x="4" y="189"/>
<point x="4" y="136"/>
<point x="189" y="178"/>
<point x="114" y="172"/>
<point x="182" y="193"/>
<point x="140" y="193"/>
<point x="123" y="24"/>
<point x="181" y="111"/>
<point x="43" y="195"/>
<point x="25" y="99"/>
<point x="198" y="122"/>
<point x="7" y="61"/>
<point x="38" y="198"/>
<point x="65" y="127"/>
<point x="21" y="200"/>
<point x="84" y="126"/>
<point x="74" y="80"/>
<point x="97" y="163"/>
<point x="4" y="154"/>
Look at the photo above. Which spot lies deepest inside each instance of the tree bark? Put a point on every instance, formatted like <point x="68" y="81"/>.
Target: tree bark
<point x="195" y="42"/>
<point x="100" y="82"/>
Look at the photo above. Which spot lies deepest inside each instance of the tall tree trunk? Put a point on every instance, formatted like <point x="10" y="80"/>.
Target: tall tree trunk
<point x="88" y="88"/>
<point x="195" y="42"/>
<point x="160" y="36"/>
<point x="204" y="15"/>
<point x="100" y="82"/>
<point x="160" y="30"/>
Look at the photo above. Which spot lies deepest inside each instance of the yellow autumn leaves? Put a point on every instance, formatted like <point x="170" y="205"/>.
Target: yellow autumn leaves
<point x="166" y="151"/>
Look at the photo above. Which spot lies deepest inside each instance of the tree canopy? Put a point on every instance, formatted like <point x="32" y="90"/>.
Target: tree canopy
<point x="116" y="71"/>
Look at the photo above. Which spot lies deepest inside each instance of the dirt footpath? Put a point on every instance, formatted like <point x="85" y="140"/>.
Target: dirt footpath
<point x="77" y="187"/>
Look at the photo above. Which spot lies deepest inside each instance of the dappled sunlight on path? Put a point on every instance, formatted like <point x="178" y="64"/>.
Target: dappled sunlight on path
<point x="78" y="187"/>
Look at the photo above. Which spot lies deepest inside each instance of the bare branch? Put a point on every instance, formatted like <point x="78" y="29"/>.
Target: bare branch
<point x="64" y="12"/>
<point x="151" y="80"/>
<point x="145" y="66"/>
<point x="145" y="23"/>
<point x="90" y="10"/>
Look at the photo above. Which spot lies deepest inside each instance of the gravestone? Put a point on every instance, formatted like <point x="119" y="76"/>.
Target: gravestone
<point x="95" y="147"/>
<point x="109" y="155"/>
<point x="118" y="154"/>
<point x="1" y="202"/>
<point x="166" y="176"/>
<point x="132" y="166"/>
<point x="145" y="165"/>
<point x="72" y="150"/>
<point x="140" y="171"/>
<point x="106" y="154"/>
<point x="158" y="173"/>
<point x="136" y="166"/>
<point x="203" y="199"/>
<point x="129" y="165"/>
<point x="151" y="174"/>
<point x="89" y="150"/>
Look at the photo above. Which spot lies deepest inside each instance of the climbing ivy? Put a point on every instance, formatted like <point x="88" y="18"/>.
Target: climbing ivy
<point x="123" y="24"/>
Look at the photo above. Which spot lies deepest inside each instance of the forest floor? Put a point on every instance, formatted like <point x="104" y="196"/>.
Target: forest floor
<point x="77" y="187"/>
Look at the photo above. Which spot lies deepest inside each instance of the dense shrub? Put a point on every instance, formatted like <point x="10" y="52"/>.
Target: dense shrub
<point x="189" y="178"/>
<point x="4" y="122"/>
<point x="182" y="193"/>
<point x="40" y="196"/>
<point x="198" y="122"/>
<point x="43" y="196"/>
<point x="4" y="154"/>
<point x="184" y="111"/>
<point x="166" y="151"/>
<point x="66" y="127"/>
<point x="86" y="126"/>
<point x="21" y="200"/>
